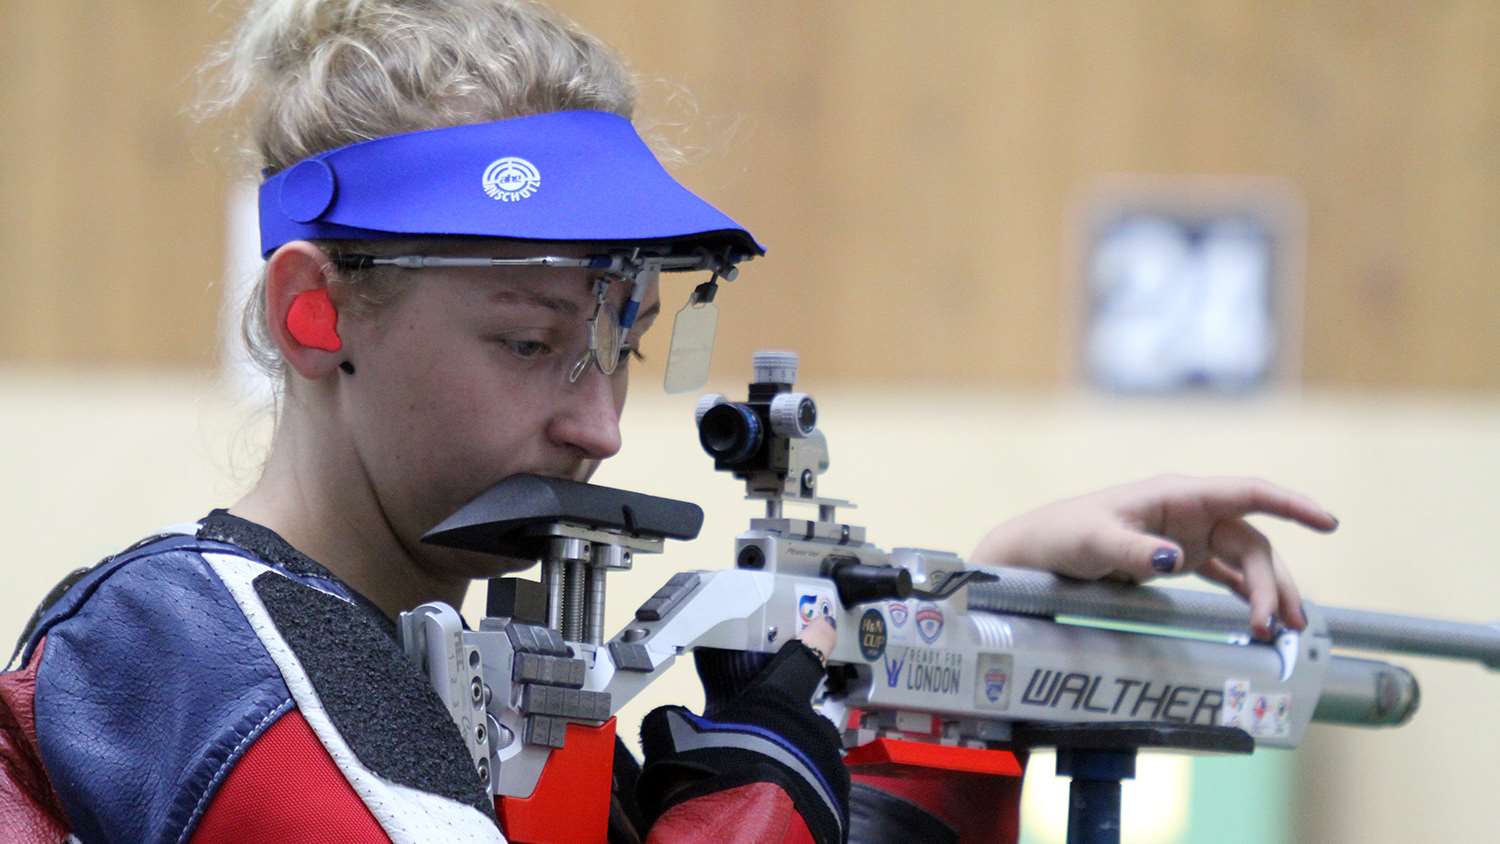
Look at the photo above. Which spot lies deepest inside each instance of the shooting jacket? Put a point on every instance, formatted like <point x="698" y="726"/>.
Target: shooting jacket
<point x="213" y="684"/>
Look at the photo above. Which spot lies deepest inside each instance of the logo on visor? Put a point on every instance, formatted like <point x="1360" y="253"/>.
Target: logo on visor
<point x="511" y="179"/>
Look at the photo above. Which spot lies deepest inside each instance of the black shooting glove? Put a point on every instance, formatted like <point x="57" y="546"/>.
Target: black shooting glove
<point x="726" y="674"/>
<point x="758" y="726"/>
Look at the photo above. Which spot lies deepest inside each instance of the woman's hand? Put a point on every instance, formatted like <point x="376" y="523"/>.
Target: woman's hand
<point x="1167" y="525"/>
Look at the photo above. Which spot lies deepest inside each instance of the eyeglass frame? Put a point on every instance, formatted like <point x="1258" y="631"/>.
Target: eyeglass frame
<point x="629" y="266"/>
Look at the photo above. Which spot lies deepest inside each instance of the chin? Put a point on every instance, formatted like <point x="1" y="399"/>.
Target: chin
<point x="472" y="565"/>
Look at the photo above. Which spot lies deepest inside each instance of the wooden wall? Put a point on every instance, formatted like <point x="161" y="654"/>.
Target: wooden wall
<point x="111" y="206"/>
<point x="912" y="167"/>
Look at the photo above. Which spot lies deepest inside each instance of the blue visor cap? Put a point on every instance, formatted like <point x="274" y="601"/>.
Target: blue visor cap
<point x="563" y="176"/>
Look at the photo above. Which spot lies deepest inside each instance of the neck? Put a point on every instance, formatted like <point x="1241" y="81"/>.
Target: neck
<point x="318" y="500"/>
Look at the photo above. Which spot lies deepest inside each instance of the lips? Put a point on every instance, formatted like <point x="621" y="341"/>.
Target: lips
<point x="580" y="472"/>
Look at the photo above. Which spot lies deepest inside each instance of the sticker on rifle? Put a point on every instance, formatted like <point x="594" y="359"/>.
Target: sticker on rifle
<point x="901" y="627"/>
<point x="928" y="671"/>
<point x="1257" y="713"/>
<point x="1236" y="694"/>
<point x="899" y="612"/>
<point x="993" y="689"/>
<point x="812" y="602"/>
<point x="872" y="634"/>
<point x="929" y="623"/>
<point x="893" y="662"/>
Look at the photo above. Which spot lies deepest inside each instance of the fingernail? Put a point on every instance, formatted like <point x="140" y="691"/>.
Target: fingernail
<point x="1164" y="560"/>
<point x="1334" y="518"/>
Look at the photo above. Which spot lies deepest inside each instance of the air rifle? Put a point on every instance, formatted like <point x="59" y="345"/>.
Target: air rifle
<point x="938" y="663"/>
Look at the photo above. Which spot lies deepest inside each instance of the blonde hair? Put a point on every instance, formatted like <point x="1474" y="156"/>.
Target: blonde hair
<point x="313" y="75"/>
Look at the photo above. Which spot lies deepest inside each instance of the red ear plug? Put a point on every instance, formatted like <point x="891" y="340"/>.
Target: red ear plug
<point x="313" y="321"/>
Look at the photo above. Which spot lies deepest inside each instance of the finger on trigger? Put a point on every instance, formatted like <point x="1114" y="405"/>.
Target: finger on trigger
<point x="1238" y="541"/>
<point x="820" y="634"/>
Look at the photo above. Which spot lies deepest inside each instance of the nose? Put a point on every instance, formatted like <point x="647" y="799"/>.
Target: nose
<point x="588" y="416"/>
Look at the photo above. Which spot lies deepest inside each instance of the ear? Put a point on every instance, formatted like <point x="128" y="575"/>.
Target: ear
<point x="302" y="319"/>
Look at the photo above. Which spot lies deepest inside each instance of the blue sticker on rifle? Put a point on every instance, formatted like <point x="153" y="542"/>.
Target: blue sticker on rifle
<point x="993" y="689"/>
<point x="812" y="602"/>
<point x="893" y="667"/>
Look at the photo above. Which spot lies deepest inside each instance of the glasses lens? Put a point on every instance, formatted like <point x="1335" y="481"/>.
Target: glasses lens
<point x="606" y="338"/>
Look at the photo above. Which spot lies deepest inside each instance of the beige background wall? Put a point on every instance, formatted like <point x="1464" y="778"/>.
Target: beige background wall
<point x="903" y="161"/>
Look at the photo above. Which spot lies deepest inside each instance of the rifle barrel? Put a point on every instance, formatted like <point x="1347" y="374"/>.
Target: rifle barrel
<point x="1034" y="593"/>
<point x="1366" y="693"/>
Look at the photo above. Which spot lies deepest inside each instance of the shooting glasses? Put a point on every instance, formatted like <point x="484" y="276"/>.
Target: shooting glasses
<point x="607" y="327"/>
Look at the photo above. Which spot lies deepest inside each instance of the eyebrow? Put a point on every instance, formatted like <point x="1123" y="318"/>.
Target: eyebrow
<point x="512" y="296"/>
<point x="566" y="307"/>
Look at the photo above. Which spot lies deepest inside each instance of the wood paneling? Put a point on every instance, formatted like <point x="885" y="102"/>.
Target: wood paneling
<point x="912" y="167"/>
<point x="111" y="220"/>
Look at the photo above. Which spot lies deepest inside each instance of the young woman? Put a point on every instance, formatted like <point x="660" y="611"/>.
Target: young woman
<point x="237" y="678"/>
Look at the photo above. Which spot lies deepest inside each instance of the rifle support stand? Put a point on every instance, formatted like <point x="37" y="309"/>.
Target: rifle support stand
<point x="1099" y="756"/>
<point x="1094" y="796"/>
